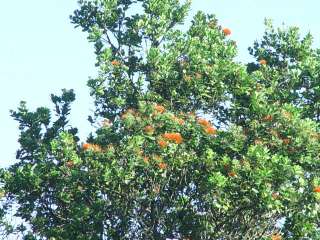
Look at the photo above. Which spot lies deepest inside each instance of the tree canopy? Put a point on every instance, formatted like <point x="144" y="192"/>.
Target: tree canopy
<point x="188" y="142"/>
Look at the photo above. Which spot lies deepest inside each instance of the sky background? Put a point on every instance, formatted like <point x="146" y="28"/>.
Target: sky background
<point x="41" y="52"/>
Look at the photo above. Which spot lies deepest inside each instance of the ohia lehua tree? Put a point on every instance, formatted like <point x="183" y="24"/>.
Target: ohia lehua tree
<point x="189" y="143"/>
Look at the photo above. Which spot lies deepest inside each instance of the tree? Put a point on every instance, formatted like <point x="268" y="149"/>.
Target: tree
<point x="155" y="168"/>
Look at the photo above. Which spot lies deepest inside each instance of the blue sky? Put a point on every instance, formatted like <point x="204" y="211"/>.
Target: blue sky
<point x="41" y="52"/>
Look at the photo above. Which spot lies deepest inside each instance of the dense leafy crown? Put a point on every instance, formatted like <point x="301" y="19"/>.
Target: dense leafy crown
<point x="155" y="168"/>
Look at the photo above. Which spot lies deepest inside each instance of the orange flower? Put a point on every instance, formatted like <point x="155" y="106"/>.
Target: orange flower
<point x="267" y="118"/>
<point x="276" y="236"/>
<point x="211" y="130"/>
<point x="146" y="159"/>
<point x="286" y="141"/>
<point x="262" y="62"/>
<point x="203" y="122"/>
<point x="92" y="147"/>
<point x="86" y="146"/>
<point x="176" y="137"/>
<point x="162" y="143"/>
<point x="226" y="31"/>
<point x="69" y="164"/>
<point x="316" y="189"/>
<point x="115" y="63"/>
<point x="162" y="165"/>
<point x="258" y="142"/>
<point x="180" y="121"/>
<point x="159" y="108"/>
<point x="232" y="174"/>
<point x="149" y="130"/>
<point x="207" y="126"/>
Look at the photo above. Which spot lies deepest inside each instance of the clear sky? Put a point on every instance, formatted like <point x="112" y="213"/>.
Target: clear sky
<point x="41" y="52"/>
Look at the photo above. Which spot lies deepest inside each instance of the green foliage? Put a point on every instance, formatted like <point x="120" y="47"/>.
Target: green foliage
<point x="154" y="169"/>
<point x="292" y="71"/>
